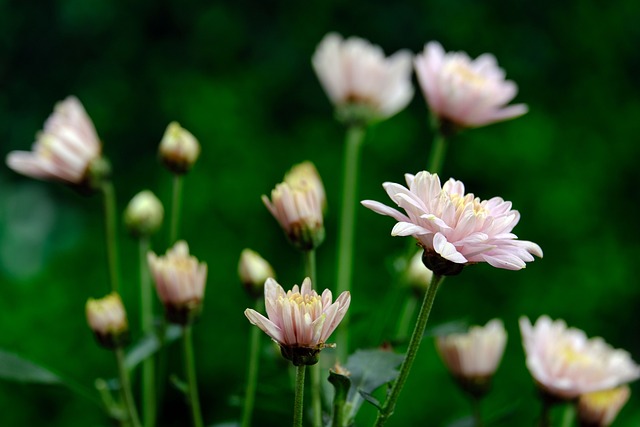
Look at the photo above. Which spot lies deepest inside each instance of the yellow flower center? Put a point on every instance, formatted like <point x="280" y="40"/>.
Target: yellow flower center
<point x="461" y="202"/>
<point x="572" y="357"/>
<point x="461" y="68"/>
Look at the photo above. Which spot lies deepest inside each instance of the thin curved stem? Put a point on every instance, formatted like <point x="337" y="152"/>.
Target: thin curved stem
<point x="414" y="343"/>
<point x="110" y="233"/>
<point x="438" y="151"/>
<point x="192" y="382"/>
<point x="146" y="321"/>
<point x="316" y="398"/>
<point x="477" y="412"/>
<point x="175" y="209"/>
<point x="298" y="404"/>
<point x="252" y="371"/>
<point x="355" y="136"/>
<point x="125" y="388"/>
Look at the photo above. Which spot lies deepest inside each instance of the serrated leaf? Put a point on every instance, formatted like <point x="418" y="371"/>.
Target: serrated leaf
<point x="16" y="368"/>
<point x="149" y="345"/>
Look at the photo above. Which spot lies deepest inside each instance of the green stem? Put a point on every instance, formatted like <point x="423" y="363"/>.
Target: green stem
<point x="299" y="399"/>
<point x="175" y="209"/>
<point x="545" y="413"/>
<point x="125" y="388"/>
<point x="416" y="337"/>
<point x="316" y="399"/>
<point x="477" y="412"/>
<point x="568" y="416"/>
<point x="355" y="136"/>
<point x="252" y="374"/>
<point x="438" y="150"/>
<point x="110" y="232"/>
<point x="190" y="368"/>
<point x="146" y="321"/>
<point x="408" y="312"/>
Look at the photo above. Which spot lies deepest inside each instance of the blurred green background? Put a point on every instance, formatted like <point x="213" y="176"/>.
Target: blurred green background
<point x="238" y="76"/>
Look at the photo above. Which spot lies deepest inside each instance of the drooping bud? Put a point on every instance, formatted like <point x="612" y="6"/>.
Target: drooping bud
<point x="108" y="320"/>
<point x="144" y="214"/>
<point x="254" y="271"/>
<point x="179" y="149"/>
<point x="180" y="282"/>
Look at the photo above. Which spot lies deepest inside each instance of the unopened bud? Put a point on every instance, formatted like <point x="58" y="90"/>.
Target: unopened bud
<point x="144" y="214"/>
<point x="254" y="271"/>
<point x="108" y="320"/>
<point x="179" y="149"/>
<point x="304" y="176"/>
<point x="418" y="276"/>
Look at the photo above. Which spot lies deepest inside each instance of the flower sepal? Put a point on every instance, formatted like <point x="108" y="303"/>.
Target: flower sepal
<point x="356" y="114"/>
<point x="98" y="172"/>
<point x="303" y="355"/>
<point x="476" y="386"/>
<point x="183" y="314"/>
<point x="439" y="265"/>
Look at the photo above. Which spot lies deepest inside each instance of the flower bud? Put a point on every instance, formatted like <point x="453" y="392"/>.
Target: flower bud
<point x="108" y="320"/>
<point x="600" y="408"/>
<point x="180" y="282"/>
<point x="254" y="271"/>
<point x="304" y="176"/>
<point x="418" y="276"/>
<point x="179" y="149"/>
<point x="144" y="214"/>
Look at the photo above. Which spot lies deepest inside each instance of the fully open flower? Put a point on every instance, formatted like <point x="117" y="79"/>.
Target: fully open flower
<point x="600" y="408"/>
<point x="465" y="92"/>
<point x="65" y="148"/>
<point x="299" y="320"/>
<point x="180" y="282"/>
<point x="455" y="228"/>
<point x="565" y="364"/>
<point x="360" y="81"/>
<point x="473" y="357"/>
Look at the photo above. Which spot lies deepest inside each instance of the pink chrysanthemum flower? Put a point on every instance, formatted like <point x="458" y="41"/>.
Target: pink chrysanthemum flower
<point x="475" y="354"/>
<point x="455" y="228"/>
<point x="360" y="81"/>
<point x="180" y="282"/>
<point x="65" y="148"/>
<point x="465" y="92"/>
<point x="565" y="363"/>
<point x="299" y="320"/>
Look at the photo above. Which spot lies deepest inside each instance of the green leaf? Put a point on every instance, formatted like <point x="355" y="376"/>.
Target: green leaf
<point x="453" y="327"/>
<point x="369" y="369"/>
<point x="15" y="368"/>
<point x="369" y="398"/>
<point x="149" y="345"/>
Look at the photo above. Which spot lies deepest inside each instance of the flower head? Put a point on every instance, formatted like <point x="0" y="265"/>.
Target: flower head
<point x="305" y="177"/>
<point x="465" y="92"/>
<point x="64" y="150"/>
<point x="254" y="271"/>
<point x="361" y="82"/>
<point x="565" y="364"/>
<point x="144" y="214"/>
<point x="299" y="320"/>
<point x="180" y="281"/>
<point x="473" y="357"/>
<point x="455" y="228"/>
<point x="108" y="320"/>
<point x="600" y="408"/>
<point x="179" y="149"/>
<point x="298" y="209"/>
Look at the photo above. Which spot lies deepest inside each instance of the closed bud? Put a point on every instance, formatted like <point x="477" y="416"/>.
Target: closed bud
<point x="144" y="214"/>
<point x="254" y="271"/>
<point x="179" y="149"/>
<point x="108" y="320"/>
<point x="418" y="276"/>
<point x="305" y="177"/>
<point x="600" y="408"/>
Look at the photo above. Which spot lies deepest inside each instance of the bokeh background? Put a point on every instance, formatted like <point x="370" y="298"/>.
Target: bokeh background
<point x="238" y="75"/>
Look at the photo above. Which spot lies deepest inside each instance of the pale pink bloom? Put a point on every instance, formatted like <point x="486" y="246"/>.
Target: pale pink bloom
<point x="455" y="226"/>
<point x="600" y="408"/>
<point x="180" y="281"/>
<point x="353" y="72"/>
<point x="566" y="364"/>
<point x="64" y="149"/>
<point x="106" y="315"/>
<point x="299" y="317"/>
<point x="469" y="93"/>
<point x="304" y="176"/>
<point x="475" y="354"/>
<point x="298" y="210"/>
